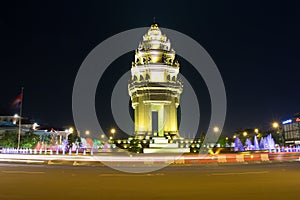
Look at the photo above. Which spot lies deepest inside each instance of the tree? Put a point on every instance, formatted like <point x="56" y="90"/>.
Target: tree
<point x="9" y="139"/>
<point x="222" y="141"/>
<point x="74" y="139"/>
<point x="202" y="136"/>
<point x="45" y="138"/>
<point x="135" y="146"/>
<point x="29" y="140"/>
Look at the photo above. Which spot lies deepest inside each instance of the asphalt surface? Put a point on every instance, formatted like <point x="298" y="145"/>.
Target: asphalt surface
<point x="256" y="181"/>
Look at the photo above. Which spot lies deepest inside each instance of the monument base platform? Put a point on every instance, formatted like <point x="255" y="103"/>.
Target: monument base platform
<point x="167" y="150"/>
<point x="162" y="145"/>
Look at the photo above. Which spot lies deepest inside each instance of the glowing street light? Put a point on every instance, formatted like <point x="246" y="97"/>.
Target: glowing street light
<point x="245" y="133"/>
<point x="87" y="132"/>
<point x="35" y="125"/>
<point x="275" y="124"/>
<point x="256" y="130"/>
<point x="216" y="129"/>
<point x="71" y="130"/>
<point x="16" y="117"/>
<point x="102" y="136"/>
<point x="113" y="131"/>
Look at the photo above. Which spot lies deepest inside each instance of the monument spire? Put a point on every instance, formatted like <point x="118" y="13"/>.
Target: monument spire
<point x="155" y="89"/>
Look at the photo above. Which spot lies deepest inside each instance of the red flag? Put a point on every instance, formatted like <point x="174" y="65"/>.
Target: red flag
<point x="17" y="102"/>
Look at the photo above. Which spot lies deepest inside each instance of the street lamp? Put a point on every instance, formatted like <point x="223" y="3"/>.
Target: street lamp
<point x="275" y="124"/>
<point x="245" y="133"/>
<point x="34" y="125"/>
<point x="216" y="129"/>
<point x="256" y="130"/>
<point x="87" y="132"/>
<point x="113" y="131"/>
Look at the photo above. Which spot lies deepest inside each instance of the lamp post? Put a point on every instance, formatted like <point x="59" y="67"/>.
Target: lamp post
<point x="113" y="131"/>
<point x="71" y="130"/>
<point x="87" y="132"/>
<point x="275" y="125"/>
<point x="216" y="129"/>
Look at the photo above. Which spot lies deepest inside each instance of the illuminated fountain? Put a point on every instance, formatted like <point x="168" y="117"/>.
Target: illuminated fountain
<point x="238" y="145"/>
<point x="267" y="143"/>
<point x="248" y="144"/>
<point x="256" y="145"/>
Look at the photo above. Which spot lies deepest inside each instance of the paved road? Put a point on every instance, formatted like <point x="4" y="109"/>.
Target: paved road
<point x="261" y="181"/>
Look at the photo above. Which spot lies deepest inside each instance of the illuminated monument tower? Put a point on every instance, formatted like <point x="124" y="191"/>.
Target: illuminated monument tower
<point x="155" y="89"/>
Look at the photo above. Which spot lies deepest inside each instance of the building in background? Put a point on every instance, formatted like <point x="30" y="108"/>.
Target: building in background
<point x="291" y="130"/>
<point x="11" y="122"/>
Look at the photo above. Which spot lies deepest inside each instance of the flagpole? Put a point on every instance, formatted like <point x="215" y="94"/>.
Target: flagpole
<point x="20" y="119"/>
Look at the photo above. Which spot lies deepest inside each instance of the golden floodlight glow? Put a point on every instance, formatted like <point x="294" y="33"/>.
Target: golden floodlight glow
<point x="154" y="87"/>
<point x="87" y="132"/>
<point x="256" y="130"/>
<point x="245" y="133"/>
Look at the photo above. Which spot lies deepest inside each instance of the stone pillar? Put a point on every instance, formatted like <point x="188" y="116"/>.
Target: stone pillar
<point x="161" y="121"/>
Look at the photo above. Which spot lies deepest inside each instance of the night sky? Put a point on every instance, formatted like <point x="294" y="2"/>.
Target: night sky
<point x="255" y="45"/>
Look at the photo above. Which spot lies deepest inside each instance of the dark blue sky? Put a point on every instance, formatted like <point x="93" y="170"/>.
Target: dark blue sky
<point x="255" y="45"/>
